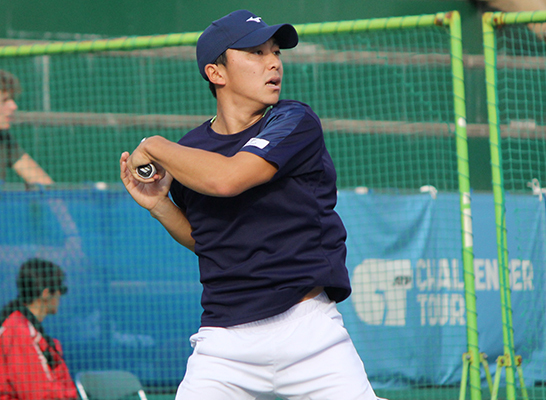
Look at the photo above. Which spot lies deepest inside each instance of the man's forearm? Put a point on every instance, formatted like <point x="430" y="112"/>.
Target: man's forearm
<point x="175" y="222"/>
<point x="31" y="172"/>
<point x="207" y="172"/>
<point x="517" y="5"/>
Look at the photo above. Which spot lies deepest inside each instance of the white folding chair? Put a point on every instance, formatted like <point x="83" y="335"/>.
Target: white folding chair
<point x="108" y="385"/>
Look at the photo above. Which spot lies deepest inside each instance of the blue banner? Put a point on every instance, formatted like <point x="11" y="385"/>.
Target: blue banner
<point x="134" y="293"/>
<point x="407" y="311"/>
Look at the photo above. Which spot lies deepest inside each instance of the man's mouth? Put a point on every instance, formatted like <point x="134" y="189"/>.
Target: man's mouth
<point x="274" y="82"/>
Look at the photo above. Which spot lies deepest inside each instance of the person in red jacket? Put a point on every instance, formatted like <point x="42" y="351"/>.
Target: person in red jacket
<point x="31" y="362"/>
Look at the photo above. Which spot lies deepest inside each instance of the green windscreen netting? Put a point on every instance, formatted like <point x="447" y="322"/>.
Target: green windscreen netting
<point x="78" y="112"/>
<point x="522" y="100"/>
<point x="386" y="104"/>
<point x="385" y="101"/>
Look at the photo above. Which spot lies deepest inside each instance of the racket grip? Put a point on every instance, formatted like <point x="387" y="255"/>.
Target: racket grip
<point x="146" y="171"/>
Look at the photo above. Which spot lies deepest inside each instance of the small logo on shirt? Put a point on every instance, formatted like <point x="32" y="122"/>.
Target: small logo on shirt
<point x="254" y="19"/>
<point x="257" y="142"/>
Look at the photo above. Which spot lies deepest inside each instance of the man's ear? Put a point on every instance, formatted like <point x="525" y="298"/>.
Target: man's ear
<point x="46" y="294"/>
<point x="215" y="73"/>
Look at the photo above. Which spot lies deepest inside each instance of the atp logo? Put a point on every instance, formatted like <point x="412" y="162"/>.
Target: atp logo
<point x="380" y="291"/>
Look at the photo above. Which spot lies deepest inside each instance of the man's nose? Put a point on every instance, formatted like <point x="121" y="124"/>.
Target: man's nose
<point x="274" y="61"/>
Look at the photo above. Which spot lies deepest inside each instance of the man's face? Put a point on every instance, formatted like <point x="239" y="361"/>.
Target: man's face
<point x="7" y="108"/>
<point x="52" y="302"/>
<point x="254" y="75"/>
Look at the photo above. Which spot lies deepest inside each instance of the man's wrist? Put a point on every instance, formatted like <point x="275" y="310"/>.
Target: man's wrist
<point x="163" y="208"/>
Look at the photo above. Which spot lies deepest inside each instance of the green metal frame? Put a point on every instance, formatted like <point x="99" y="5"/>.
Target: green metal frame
<point x="451" y="20"/>
<point x="509" y="360"/>
<point x="90" y="46"/>
<point x="473" y="354"/>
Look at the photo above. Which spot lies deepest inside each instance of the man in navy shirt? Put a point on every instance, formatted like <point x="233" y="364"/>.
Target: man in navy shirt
<point x="253" y="195"/>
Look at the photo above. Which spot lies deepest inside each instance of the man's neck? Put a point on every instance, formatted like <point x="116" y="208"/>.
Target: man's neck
<point x="38" y="309"/>
<point x="232" y="119"/>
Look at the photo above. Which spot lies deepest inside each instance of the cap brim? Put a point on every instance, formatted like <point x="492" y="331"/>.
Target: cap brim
<point x="285" y="35"/>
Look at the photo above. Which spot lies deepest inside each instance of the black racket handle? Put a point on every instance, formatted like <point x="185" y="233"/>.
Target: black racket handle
<point x="146" y="171"/>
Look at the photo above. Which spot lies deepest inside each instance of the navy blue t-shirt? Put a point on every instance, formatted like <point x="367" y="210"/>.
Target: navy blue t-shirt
<point x="260" y="252"/>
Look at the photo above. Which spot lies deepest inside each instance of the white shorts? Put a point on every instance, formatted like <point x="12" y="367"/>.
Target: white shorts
<point x="302" y="354"/>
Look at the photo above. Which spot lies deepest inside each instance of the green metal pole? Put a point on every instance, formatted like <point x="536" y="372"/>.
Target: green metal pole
<point x="190" y="38"/>
<point x="464" y="197"/>
<point x="89" y="46"/>
<point x="464" y="377"/>
<point x="525" y="17"/>
<point x="413" y="21"/>
<point x="489" y="20"/>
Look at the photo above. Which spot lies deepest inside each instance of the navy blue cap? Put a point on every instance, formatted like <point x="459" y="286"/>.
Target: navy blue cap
<point x="239" y="30"/>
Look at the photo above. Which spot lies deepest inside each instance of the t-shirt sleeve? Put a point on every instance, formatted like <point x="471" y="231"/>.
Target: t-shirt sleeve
<point x="177" y="194"/>
<point x="10" y="148"/>
<point x="291" y="139"/>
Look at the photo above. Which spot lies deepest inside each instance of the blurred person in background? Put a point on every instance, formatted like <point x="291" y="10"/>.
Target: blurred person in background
<point x="11" y="154"/>
<point x="31" y="362"/>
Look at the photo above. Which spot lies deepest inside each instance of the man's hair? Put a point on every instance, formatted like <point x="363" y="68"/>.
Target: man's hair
<point x="9" y="83"/>
<point x="35" y="275"/>
<point x="221" y="60"/>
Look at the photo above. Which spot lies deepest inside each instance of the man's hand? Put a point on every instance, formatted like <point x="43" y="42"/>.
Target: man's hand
<point x="146" y="192"/>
